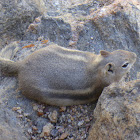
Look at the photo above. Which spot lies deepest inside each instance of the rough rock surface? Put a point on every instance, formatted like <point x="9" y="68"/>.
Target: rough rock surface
<point x="87" y="25"/>
<point x="15" y="16"/>
<point x="10" y="126"/>
<point x="117" y="114"/>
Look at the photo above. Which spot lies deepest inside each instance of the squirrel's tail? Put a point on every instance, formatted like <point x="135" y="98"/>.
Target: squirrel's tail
<point x="7" y="66"/>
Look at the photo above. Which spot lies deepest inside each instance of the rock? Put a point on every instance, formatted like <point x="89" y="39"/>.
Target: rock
<point x="19" y="111"/>
<point x="53" y="29"/>
<point x="20" y="116"/>
<point x="34" y="128"/>
<point x="10" y="128"/>
<point x="33" y="138"/>
<point x="62" y="109"/>
<point x="80" y="123"/>
<point x="53" y="116"/>
<point x="30" y="131"/>
<point x="115" y="22"/>
<point x="35" y="107"/>
<point x="16" y="108"/>
<point x="63" y="136"/>
<point x="117" y="114"/>
<point x="26" y="114"/>
<point x="8" y="133"/>
<point x="40" y="123"/>
<point x="46" y="130"/>
<point x="54" y="132"/>
<point x="60" y="129"/>
<point x="15" y="18"/>
<point x="40" y="112"/>
<point x="118" y="24"/>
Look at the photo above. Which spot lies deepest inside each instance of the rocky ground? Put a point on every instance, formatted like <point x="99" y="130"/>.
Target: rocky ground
<point x="86" y="25"/>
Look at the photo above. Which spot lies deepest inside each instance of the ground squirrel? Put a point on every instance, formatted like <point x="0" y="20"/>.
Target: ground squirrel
<point x="59" y="76"/>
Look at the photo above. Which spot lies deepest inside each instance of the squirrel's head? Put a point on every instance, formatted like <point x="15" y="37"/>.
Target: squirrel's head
<point x="116" y="64"/>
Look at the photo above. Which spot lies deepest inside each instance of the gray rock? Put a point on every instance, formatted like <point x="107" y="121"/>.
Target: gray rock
<point x="40" y="123"/>
<point x="15" y="16"/>
<point x="8" y="133"/>
<point x="80" y="123"/>
<point x="53" y="116"/>
<point x="54" y="132"/>
<point x="10" y="128"/>
<point x="53" y="29"/>
<point x="117" y="114"/>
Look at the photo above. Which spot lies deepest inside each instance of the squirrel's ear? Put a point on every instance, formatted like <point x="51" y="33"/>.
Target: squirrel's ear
<point x="109" y="68"/>
<point x="104" y="53"/>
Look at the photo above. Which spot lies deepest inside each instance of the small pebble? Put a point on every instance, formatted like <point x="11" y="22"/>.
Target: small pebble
<point x="62" y="109"/>
<point x="28" y="120"/>
<point x="40" y="38"/>
<point x="19" y="116"/>
<point x="53" y="116"/>
<point x="33" y="138"/>
<point x="40" y="112"/>
<point x="19" y="111"/>
<point x="30" y="131"/>
<point x="54" y="132"/>
<point x="26" y="114"/>
<point x="80" y="123"/>
<point x="69" y="121"/>
<point x="87" y="119"/>
<point x="35" y="107"/>
<point x="63" y="136"/>
<point x="60" y="129"/>
<point x="38" y="19"/>
<point x="46" y="130"/>
<point x="34" y="128"/>
<point x="16" y="108"/>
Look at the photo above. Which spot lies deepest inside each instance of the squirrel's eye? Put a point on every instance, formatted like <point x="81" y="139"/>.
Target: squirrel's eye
<point x="125" y="65"/>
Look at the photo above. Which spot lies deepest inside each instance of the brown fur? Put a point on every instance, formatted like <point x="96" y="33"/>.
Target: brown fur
<point x="63" y="77"/>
